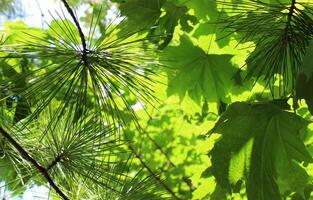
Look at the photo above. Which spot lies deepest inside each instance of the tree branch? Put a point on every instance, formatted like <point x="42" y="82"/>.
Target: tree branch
<point x="55" y="161"/>
<point x="160" y="149"/>
<point x="291" y="10"/>
<point x="80" y="31"/>
<point x="40" y="168"/>
<point x="151" y="172"/>
<point x="145" y="131"/>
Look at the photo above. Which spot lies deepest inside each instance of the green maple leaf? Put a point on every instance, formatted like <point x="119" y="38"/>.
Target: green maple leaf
<point x="178" y="13"/>
<point x="203" y="8"/>
<point x="141" y="14"/>
<point x="174" y="15"/>
<point x="207" y="10"/>
<point x="261" y="143"/>
<point x="197" y="73"/>
<point x="211" y="27"/>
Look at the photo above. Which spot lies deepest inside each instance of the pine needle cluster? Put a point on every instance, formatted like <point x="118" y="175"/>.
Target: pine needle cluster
<point x="74" y="92"/>
<point x="280" y="32"/>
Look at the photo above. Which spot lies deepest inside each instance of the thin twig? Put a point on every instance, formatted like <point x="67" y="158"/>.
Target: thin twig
<point x="157" y="178"/>
<point x="30" y="159"/>
<point x="185" y="179"/>
<point x="289" y="19"/>
<point x="160" y="149"/>
<point x="145" y="131"/>
<point x="41" y="14"/>
<point x="80" y="31"/>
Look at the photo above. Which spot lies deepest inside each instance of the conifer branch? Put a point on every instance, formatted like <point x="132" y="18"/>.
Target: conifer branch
<point x="80" y="31"/>
<point x="30" y="159"/>
<point x="55" y="161"/>
<point x="290" y="14"/>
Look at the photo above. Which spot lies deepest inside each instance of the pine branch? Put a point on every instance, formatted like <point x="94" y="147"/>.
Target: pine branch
<point x="280" y="32"/>
<point x="81" y="34"/>
<point x="55" y="161"/>
<point x="30" y="159"/>
<point x="291" y="11"/>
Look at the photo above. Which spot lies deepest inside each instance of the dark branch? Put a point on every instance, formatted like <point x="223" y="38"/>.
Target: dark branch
<point x="55" y="161"/>
<point x="81" y="34"/>
<point x="291" y="11"/>
<point x="145" y="130"/>
<point x="160" y="149"/>
<point x="40" y="168"/>
<point x="157" y="178"/>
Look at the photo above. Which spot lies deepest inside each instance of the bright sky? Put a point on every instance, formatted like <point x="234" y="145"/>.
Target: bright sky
<point x="34" y="9"/>
<point x="37" y="11"/>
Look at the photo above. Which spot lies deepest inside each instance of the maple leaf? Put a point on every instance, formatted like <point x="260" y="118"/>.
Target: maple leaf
<point x="197" y="73"/>
<point x="166" y="25"/>
<point x="261" y="143"/>
<point x="141" y="14"/>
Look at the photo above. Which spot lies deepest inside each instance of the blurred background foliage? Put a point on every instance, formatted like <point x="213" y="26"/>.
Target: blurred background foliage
<point x="202" y="72"/>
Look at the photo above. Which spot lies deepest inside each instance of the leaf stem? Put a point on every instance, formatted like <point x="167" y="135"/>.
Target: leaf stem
<point x="30" y="159"/>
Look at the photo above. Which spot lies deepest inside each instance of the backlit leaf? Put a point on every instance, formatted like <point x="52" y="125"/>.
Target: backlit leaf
<point x="260" y="143"/>
<point x="197" y="73"/>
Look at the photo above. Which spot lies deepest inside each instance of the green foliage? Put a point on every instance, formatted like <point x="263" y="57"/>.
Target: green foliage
<point x="175" y="15"/>
<point x="11" y="8"/>
<point x="149" y="12"/>
<point x="181" y="99"/>
<point x="261" y="143"/>
<point x="304" y="79"/>
<point x="278" y="51"/>
<point x="198" y="73"/>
